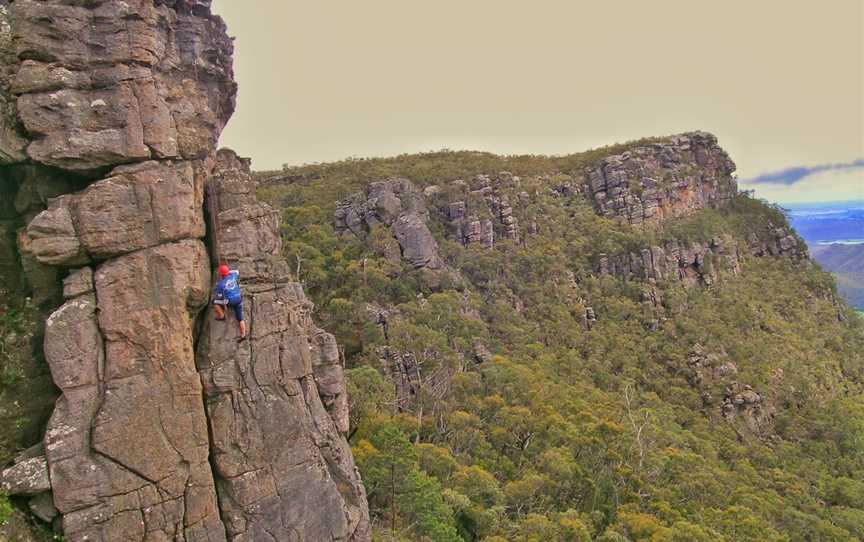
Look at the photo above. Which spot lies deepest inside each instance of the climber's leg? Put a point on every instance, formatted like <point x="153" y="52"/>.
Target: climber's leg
<point x="238" y="312"/>
<point x="220" y="312"/>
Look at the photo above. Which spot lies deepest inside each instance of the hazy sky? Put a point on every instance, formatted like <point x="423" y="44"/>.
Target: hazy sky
<point x="780" y="82"/>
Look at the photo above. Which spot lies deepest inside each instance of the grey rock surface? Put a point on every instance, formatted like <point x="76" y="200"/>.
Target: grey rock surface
<point x="398" y="205"/>
<point x="674" y="177"/>
<point x="118" y="123"/>
<point x="28" y="477"/>
<point x="277" y="404"/>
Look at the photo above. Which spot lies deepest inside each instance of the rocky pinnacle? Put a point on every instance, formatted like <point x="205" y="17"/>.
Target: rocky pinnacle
<point x="166" y="429"/>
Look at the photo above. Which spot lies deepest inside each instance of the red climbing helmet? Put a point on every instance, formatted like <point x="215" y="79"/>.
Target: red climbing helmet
<point x="224" y="271"/>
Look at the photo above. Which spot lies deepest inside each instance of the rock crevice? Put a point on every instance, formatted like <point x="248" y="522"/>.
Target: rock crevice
<point x="165" y="429"/>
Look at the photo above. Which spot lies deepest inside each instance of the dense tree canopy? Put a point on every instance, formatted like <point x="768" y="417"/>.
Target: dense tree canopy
<point x="615" y="430"/>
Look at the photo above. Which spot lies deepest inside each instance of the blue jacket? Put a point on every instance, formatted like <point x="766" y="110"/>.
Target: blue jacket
<point x="228" y="289"/>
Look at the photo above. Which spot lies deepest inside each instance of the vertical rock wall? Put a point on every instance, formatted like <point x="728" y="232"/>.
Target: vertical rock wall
<point x="283" y="469"/>
<point x="671" y="178"/>
<point x="128" y="98"/>
<point x="701" y="263"/>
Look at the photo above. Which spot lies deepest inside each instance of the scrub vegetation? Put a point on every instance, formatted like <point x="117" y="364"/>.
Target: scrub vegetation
<point x="575" y="432"/>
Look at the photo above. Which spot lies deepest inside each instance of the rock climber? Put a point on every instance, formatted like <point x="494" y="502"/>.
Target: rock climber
<point x="227" y="292"/>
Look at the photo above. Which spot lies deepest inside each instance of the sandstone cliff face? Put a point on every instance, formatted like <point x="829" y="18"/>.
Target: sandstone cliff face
<point x="397" y="205"/>
<point x="700" y="263"/>
<point x="127" y="82"/>
<point x="166" y="429"/>
<point x="283" y="470"/>
<point x="673" y="178"/>
<point x="490" y="216"/>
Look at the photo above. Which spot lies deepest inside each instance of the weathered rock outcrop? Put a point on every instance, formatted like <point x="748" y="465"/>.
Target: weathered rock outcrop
<point x="490" y="216"/>
<point x="700" y="263"/>
<point x="135" y="207"/>
<point x="277" y="403"/>
<point x="716" y="376"/>
<point x="480" y="215"/>
<point x="12" y="142"/>
<point x="674" y="177"/>
<point x="691" y="263"/>
<point x="129" y="81"/>
<point x="398" y="205"/>
<point x="155" y="436"/>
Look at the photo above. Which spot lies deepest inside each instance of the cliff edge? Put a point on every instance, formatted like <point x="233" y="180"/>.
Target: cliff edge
<point x="165" y="427"/>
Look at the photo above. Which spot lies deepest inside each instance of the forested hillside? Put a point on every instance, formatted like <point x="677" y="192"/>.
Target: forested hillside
<point x="612" y="346"/>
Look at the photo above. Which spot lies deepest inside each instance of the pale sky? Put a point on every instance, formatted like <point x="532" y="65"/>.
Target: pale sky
<point x="780" y="82"/>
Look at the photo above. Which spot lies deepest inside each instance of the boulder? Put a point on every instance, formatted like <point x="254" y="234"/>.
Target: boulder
<point x="415" y="239"/>
<point x="53" y="239"/>
<point x="28" y="477"/>
<point x="78" y="282"/>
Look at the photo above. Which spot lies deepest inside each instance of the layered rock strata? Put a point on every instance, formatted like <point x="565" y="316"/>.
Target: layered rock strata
<point x="397" y="205"/>
<point x="700" y="263"/>
<point x="674" y="177"/>
<point x="107" y="141"/>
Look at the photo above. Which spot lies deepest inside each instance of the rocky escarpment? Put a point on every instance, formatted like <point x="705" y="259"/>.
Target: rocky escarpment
<point x="483" y="213"/>
<point x="397" y="205"/>
<point x="671" y="178"/>
<point x="700" y="263"/>
<point x="478" y="213"/>
<point x="165" y="428"/>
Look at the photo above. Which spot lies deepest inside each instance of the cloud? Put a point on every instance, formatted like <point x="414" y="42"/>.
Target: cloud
<point x="793" y="175"/>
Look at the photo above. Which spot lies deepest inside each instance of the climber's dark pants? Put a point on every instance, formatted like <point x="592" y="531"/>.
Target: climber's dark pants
<point x="238" y="307"/>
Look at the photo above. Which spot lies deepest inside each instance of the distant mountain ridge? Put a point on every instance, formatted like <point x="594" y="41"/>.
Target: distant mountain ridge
<point x="846" y="262"/>
<point x="831" y="222"/>
<point x="834" y="231"/>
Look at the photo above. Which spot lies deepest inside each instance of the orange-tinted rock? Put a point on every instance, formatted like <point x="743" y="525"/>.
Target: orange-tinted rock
<point x="674" y="177"/>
